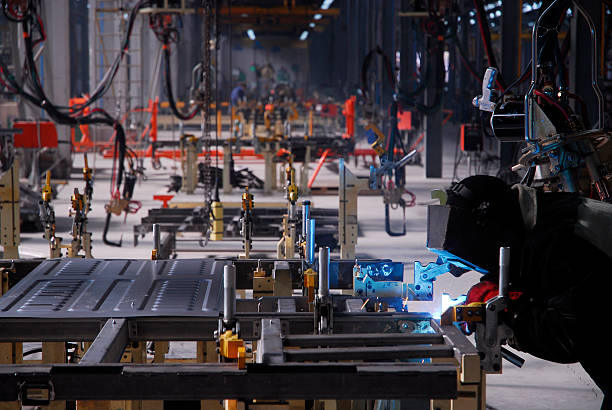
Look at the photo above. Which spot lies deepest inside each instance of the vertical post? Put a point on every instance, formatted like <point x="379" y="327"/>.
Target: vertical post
<point x="310" y="241"/>
<point x="56" y="73"/>
<point x="156" y="242"/>
<point x="304" y="190"/>
<point x="323" y="272"/>
<point x="54" y="353"/>
<point x="305" y="217"/>
<point x="227" y="168"/>
<point x="504" y="270"/>
<point x="10" y="353"/>
<point x="229" y="294"/>
<point x="270" y="168"/>
<point x="348" y="192"/>
<point x="216" y="217"/>
<point x="9" y="212"/>
<point x="207" y="353"/>
<point x="433" y="121"/>
<point x="511" y="31"/>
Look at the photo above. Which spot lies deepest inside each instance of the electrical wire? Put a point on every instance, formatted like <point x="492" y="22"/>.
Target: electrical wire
<point x="485" y="34"/>
<point x="168" y="89"/>
<point x="552" y="102"/>
<point x="162" y="26"/>
<point x="32" y="23"/>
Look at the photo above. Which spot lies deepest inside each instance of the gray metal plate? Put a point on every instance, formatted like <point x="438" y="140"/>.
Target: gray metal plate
<point x="98" y="288"/>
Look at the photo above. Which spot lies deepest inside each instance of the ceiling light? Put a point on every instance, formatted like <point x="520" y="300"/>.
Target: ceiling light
<point x="318" y="16"/>
<point x="304" y="35"/>
<point x="251" y="34"/>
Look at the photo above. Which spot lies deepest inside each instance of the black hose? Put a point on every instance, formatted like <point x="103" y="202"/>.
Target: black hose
<point x="168" y="88"/>
<point x="105" y="232"/>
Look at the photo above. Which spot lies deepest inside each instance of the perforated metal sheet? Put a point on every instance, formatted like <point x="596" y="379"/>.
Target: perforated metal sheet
<point x="82" y="288"/>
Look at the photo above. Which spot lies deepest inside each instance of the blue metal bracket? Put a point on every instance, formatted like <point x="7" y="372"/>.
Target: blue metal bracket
<point x="424" y="276"/>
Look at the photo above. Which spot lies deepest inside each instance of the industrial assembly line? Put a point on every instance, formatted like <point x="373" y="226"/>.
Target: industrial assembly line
<point x="299" y="239"/>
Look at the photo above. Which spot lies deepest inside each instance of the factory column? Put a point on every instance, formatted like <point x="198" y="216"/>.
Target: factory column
<point x="510" y="69"/>
<point x="433" y="120"/>
<point x="56" y="65"/>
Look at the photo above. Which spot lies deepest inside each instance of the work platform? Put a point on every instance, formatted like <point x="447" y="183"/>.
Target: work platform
<point x="116" y="303"/>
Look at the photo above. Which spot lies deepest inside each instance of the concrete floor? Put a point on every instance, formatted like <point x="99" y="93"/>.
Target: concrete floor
<point x="538" y="385"/>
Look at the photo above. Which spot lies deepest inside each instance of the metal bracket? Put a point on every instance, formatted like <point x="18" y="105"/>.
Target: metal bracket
<point x="132" y="329"/>
<point x="424" y="277"/>
<point x="36" y="394"/>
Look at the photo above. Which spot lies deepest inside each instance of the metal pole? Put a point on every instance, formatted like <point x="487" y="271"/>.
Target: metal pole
<point x="511" y="31"/>
<point x="504" y="270"/>
<point x="433" y="123"/>
<point x="229" y="293"/>
<point x="323" y="272"/>
<point x="310" y="241"/>
<point x="156" y="237"/>
<point x="305" y="216"/>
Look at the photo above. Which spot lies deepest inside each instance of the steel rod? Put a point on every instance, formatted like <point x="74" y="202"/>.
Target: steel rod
<point x="229" y="293"/>
<point x="323" y="272"/>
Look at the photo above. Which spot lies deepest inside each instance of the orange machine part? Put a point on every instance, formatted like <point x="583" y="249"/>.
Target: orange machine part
<point x="29" y="137"/>
<point x="404" y="120"/>
<point x="85" y="143"/>
<point x="349" y="115"/>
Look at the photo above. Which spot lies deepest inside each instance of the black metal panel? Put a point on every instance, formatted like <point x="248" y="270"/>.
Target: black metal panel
<point x="98" y="288"/>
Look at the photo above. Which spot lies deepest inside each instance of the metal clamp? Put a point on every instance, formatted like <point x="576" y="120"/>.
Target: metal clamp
<point x="490" y="335"/>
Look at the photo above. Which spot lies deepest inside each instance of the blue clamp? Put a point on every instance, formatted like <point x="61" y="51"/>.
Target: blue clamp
<point x="424" y="277"/>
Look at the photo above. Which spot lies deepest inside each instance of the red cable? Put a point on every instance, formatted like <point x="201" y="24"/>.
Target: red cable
<point x="489" y="52"/>
<point x="552" y="102"/>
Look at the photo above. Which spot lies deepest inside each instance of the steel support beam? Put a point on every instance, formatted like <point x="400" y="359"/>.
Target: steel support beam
<point x="510" y="36"/>
<point x="270" y="345"/>
<point x="109" y="345"/>
<point x="220" y="381"/>
<point x="433" y="126"/>
<point x="356" y="340"/>
<point x="368" y="353"/>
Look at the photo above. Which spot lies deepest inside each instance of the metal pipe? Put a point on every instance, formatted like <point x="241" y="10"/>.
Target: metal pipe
<point x="529" y="115"/>
<point x="594" y="84"/>
<point x="229" y="293"/>
<point x="306" y="235"/>
<point x="405" y="159"/>
<point x="515" y="359"/>
<point x="305" y="217"/>
<point x="504" y="270"/>
<point x="156" y="237"/>
<point x="310" y="241"/>
<point x="323" y="272"/>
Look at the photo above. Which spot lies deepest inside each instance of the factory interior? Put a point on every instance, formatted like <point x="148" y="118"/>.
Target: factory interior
<point x="410" y="199"/>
